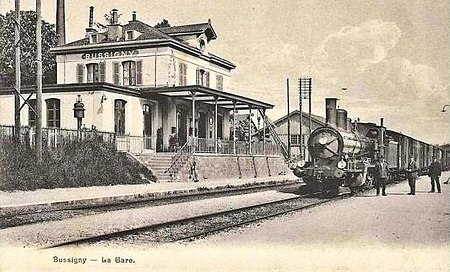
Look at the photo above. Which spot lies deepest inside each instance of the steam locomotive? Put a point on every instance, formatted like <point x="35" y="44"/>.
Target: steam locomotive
<point x="344" y="153"/>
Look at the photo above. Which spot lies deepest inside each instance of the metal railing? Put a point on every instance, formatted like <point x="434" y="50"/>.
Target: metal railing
<point x="135" y="144"/>
<point x="227" y="147"/>
<point x="52" y="137"/>
<point x="271" y="126"/>
<point x="178" y="160"/>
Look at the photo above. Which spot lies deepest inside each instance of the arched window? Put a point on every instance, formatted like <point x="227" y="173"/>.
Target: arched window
<point x="92" y="72"/>
<point x="119" y="116"/>
<point x="53" y="112"/>
<point x="202" y="77"/>
<point x="31" y="113"/>
<point x="202" y="44"/>
<point x="129" y="73"/>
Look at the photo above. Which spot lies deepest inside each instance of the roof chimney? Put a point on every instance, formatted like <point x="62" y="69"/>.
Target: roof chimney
<point x="133" y="16"/>
<point x="60" y="22"/>
<point x="114" y="28"/>
<point x="91" y="16"/>
<point x="114" y="17"/>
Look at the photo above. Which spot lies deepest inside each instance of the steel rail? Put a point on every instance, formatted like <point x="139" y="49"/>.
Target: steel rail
<point x="215" y="230"/>
<point x="114" y="234"/>
<point x="175" y="196"/>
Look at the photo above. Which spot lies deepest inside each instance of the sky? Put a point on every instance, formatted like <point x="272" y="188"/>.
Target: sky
<point x="391" y="56"/>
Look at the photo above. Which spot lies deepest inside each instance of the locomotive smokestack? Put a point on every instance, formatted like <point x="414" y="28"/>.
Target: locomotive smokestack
<point x="341" y="119"/>
<point x="61" y="22"/>
<point x="330" y="111"/>
<point x="91" y="16"/>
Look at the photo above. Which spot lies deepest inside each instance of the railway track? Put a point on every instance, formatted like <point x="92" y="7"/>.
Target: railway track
<point x="37" y="216"/>
<point x="188" y="229"/>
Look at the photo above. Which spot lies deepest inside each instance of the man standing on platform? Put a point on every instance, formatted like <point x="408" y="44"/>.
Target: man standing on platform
<point x="411" y="170"/>
<point x="381" y="168"/>
<point x="435" y="172"/>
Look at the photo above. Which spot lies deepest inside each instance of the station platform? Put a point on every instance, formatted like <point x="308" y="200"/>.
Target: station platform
<point x="18" y="202"/>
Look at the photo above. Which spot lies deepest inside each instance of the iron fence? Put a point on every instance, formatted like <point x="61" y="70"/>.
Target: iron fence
<point x="202" y="145"/>
<point x="52" y="137"/>
<point x="135" y="144"/>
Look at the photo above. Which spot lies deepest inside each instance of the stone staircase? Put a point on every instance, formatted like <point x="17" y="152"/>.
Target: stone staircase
<point x="158" y="163"/>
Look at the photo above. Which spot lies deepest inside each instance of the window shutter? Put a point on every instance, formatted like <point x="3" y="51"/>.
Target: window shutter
<point x="182" y="79"/>
<point x="139" y="72"/>
<point x="116" y="73"/>
<point x="219" y="82"/>
<point x="102" y="71"/>
<point x="80" y="71"/>
<point x="197" y="81"/>
<point x="207" y="79"/>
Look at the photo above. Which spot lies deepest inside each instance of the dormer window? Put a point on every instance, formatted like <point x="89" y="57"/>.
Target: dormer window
<point x="130" y="35"/>
<point x="94" y="38"/>
<point x="202" y="44"/>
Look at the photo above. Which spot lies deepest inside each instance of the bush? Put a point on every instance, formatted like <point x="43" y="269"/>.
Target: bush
<point x="90" y="162"/>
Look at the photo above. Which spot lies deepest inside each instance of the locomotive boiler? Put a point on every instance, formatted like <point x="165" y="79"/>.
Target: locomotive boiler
<point x="340" y="154"/>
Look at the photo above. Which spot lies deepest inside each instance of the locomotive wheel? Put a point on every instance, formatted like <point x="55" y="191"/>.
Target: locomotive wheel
<point x="329" y="188"/>
<point x="332" y="189"/>
<point x="312" y="185"/>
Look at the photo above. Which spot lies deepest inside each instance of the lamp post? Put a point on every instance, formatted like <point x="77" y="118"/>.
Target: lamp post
<point x="443" y="109"/>
<point x="78" y="111"/>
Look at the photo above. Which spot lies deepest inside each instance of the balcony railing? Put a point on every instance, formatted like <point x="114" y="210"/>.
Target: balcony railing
<point x="201" y="145"/>
<point x="135" y="144"/>
<point x="52" y="137"/>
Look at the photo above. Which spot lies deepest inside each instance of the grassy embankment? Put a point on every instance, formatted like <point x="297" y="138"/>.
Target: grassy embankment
<point x="78" y="164"/>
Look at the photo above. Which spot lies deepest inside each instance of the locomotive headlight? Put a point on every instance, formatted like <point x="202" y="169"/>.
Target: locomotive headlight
<point x="341" y="164"/>
<point x="301" y="163"/>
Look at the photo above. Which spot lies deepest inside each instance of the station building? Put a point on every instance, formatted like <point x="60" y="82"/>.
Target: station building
<point x="157" y="89"/>
<point x="297" y="147"/>
<point x="138" y="80"/>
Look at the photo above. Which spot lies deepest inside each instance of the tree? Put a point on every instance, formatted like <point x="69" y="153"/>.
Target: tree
<point x="242" y="130"/>
<point x="163" y="23"/>
<point x="28" y="49"/>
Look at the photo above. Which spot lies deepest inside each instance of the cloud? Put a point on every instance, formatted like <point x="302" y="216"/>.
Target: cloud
<point x="346" y="54"/>
<point x="364" y="58"/>
<point x="381" y="84"/>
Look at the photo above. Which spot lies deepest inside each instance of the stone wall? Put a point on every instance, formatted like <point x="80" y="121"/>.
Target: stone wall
<point x="212" y="167"/>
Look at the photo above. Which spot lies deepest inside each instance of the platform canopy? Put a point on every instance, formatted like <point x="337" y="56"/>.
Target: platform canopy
<point x="208" y="96"/>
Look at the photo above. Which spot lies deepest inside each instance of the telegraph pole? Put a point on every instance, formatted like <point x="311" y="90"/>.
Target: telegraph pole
<point x="18" y="79"/>
<point x="288" y="120"/>
<point x="304" y="92"/>
<point x="309" y="114"/>
<point x="38" y="81"/>
<point x="310" y="106"/>
<point x="301" y="116"/>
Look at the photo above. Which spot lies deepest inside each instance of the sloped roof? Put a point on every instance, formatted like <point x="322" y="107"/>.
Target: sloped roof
<point x="149" y="32"/>
<point x="84" y="41"/>
<point x="316" y="118"/>
<point x="152" y="34"/>
<point x="191" y="29"/>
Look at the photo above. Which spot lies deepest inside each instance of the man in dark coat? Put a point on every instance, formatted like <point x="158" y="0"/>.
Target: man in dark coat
<point x="381" y="172"/>
<point x="435" y="172"/>
<point x="411" y="170"/>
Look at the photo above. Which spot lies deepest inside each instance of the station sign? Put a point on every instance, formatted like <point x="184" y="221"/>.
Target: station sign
<point x="109" y="54"/>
